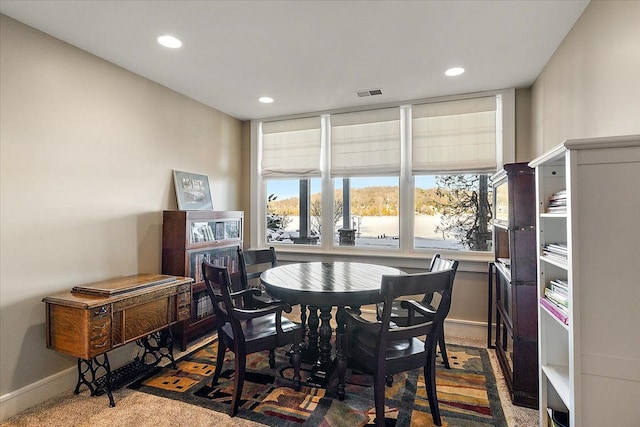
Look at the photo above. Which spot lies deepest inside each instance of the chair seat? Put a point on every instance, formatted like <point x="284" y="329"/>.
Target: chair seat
<point x="261" y="327"/>
<point x="366" y="345"/>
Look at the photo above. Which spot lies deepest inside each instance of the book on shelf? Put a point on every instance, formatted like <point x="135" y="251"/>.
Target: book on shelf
<point x="558" y="418"/>
<point x="556" y="251"/>
<point x="560" y="286"/>
<point x="556" y="297"/>
<point x="559" y="248"/>
<point x="557" y="311"/>
<point x="555" y="256"/>
<point x="202" y="233"/>
<point x="558" y="202"/>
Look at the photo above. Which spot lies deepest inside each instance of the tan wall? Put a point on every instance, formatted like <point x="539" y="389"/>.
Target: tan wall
<point x="591" y="85"/>
<point x="245" y="189"/>
<point x="523" y="125"/>
<point x="87" y="152"/>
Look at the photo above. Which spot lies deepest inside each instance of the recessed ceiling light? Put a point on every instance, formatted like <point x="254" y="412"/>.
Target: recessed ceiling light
<point x="456" y="71"/>
<point x="169" y="41"/>
<point x="265" y="100"/>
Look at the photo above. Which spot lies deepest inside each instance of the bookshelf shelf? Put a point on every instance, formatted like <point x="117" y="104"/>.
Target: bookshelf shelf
<point x="558" y="376"/>
<point x="553" y="215"/>
<point x="555" y="262"/>
<point x="587" y="274"/>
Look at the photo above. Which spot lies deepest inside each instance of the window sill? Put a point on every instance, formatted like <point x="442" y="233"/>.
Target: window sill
<point x="469" y="262"/>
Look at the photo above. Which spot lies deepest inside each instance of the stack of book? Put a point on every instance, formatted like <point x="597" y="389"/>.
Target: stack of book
<point x="555" y="251"/>
<point x="558" y="202"/>
<point x="556" y="299"/>
<point x="202" y="233"/>
<point x="204" y="307"/>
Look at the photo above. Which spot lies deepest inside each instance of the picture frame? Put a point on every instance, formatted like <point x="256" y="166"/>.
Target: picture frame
<point x="192" y="191"/>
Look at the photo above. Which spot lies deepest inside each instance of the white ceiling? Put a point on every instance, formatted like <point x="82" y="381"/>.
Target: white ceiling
<point x="313" y="55"/>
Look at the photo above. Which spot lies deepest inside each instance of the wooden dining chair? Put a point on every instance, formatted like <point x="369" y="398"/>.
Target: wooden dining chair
<point x="246" y="330"/>
<point x="383" y="349"/>
<point x="401" y="316"/>
<point x="252" y="263"/>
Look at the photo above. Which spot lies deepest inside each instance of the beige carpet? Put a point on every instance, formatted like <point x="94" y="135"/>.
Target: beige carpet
<point x="141" y="409"/>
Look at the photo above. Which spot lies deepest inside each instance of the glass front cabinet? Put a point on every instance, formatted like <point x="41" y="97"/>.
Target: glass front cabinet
<point x="513" y="278"/>
<point x="188" y="238"/>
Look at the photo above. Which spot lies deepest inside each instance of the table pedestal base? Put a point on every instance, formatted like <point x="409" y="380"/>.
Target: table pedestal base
<point x="319" y="348"/>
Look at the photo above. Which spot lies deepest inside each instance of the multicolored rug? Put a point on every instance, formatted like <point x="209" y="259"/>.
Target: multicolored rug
<point x="467" y="392"/>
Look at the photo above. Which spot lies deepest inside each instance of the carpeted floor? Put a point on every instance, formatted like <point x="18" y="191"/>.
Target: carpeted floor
<point x="467" y="392"/>
<point x="134" y="408"/>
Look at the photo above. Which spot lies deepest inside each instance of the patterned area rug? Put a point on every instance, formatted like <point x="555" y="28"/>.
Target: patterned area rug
<point x="467" y="392"/>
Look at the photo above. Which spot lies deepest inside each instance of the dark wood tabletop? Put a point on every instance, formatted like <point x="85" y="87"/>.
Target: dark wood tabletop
<point x="327" y="283"/>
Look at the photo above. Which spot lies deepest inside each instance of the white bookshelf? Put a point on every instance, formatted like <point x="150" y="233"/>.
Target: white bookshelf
<point x="590" y="367"/>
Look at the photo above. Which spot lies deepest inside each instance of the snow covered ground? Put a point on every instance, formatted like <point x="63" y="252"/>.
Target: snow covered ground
<point x="383" y="231"/>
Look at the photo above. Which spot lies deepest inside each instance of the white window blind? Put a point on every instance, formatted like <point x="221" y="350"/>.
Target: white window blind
<point x="291" y="148"/>
<point x="454" y="136"/>
<point x="365" y="143"/>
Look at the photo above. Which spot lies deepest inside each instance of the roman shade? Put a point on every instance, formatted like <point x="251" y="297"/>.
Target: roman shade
<point x="365" y="143"/>
<point x="454" y="136"/>
<point x="291" y="148"/>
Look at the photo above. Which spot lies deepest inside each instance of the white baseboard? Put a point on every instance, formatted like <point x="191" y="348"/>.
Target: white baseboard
<point x="35" y="393"/>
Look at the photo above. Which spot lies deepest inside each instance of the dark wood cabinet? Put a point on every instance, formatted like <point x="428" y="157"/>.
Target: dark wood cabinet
<point x="188" y="238"/>
<point x="514" y="275"/>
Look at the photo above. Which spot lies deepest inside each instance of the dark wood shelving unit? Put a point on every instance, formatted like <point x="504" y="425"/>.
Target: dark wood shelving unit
<point x="514" y="275"/>
<point x="188" y="237"/>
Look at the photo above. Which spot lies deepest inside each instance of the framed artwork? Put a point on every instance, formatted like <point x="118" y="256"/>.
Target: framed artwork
<point x="192" y="191"/>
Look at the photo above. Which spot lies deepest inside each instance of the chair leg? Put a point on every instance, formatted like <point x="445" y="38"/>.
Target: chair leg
<point x="389" y="380"/>
<point x="272" y="358"/>
<point x="430" y="385"/>
<point x="238" y="382"/>
<point x="379" y="380"/>
<point x="219" y="362"/>
<point x="443" y="349"/>
<point x="296" y="359"/>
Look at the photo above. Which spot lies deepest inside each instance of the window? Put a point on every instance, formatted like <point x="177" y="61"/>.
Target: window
<point x="366" y="143"/>
<point x="294" y="211"/>
<point x="452" y="212"/>
<point x="451" y="207"/>
<point x="408" y="178"/>
<point x="371" y="209"/>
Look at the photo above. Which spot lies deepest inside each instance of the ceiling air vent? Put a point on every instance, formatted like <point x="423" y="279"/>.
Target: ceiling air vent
<point x="370" y="92"/>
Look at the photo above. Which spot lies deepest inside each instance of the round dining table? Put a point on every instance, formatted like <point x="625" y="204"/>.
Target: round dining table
<point x="322" y="286"/>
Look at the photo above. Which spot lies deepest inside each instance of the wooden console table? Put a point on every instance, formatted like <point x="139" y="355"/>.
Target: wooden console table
<point x="95" y="318"/>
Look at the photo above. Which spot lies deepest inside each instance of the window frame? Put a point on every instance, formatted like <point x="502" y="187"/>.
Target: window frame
<point x="505" y="153"/>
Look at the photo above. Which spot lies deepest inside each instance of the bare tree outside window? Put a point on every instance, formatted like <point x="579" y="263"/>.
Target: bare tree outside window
<point x="316" y="213"/>
<point x="463" y="202"/>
